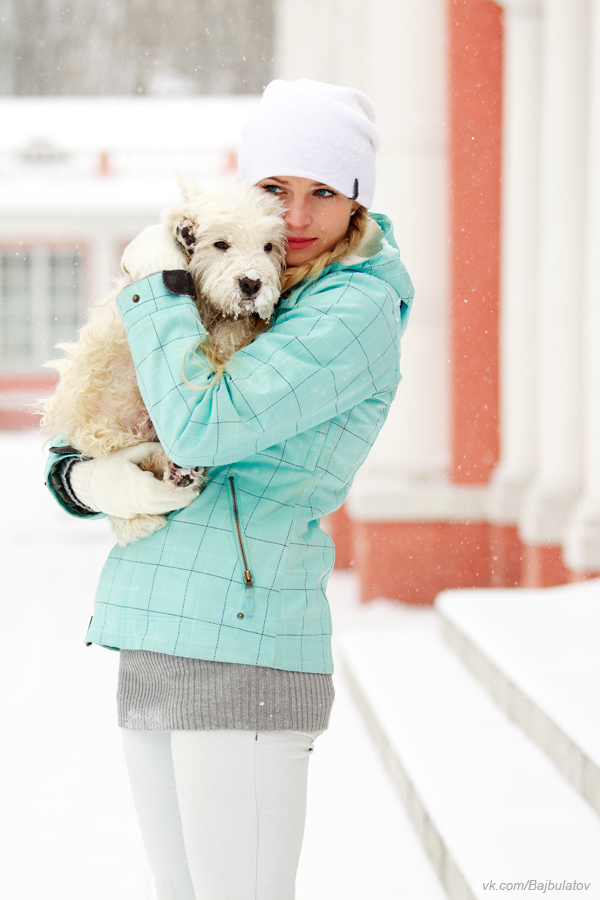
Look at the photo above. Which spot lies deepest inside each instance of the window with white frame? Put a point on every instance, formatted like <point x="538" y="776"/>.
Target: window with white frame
<point x="41" y="302"/>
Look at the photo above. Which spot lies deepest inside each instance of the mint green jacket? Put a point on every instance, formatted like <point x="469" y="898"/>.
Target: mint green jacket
<point x="240" y="575"/>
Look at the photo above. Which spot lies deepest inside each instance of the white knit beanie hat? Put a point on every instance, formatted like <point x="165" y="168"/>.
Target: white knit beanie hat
<point x="310" y="129"/>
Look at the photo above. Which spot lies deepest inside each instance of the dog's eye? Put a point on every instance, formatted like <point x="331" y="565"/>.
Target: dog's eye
<point x="267" y="248"/>
<point x="221" y="245"/>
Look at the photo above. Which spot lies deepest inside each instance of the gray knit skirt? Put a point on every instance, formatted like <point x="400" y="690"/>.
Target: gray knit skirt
<point x="159" y="692"/>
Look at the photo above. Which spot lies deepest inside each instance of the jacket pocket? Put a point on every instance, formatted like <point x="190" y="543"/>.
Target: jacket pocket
<point x="240" y="538"/>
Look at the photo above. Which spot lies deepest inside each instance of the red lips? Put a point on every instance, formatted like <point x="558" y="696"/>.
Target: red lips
<point x="299" y="243"/>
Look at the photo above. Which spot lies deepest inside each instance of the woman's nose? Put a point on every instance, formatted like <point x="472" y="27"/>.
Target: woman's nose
<point x="297" y="214"/>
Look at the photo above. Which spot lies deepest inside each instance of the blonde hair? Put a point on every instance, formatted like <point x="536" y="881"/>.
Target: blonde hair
<point x="290" y="277"/>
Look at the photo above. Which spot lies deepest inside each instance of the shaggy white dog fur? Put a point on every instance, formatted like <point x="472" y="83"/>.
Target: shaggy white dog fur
<point x="234" y="239"/>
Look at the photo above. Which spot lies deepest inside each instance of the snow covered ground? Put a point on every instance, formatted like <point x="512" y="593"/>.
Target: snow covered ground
<point x="69" y="826"/>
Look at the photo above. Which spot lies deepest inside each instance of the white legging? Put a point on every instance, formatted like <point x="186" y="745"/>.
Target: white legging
<point x="221" y="812"/>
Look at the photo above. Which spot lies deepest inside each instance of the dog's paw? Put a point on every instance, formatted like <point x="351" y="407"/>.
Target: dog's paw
<point x="185" y="235"/>
<point x="182" y="477"/>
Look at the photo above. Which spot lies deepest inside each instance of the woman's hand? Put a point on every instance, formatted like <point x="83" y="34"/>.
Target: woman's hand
<point x="153" y="250"/>
<point x="117" y="487"/>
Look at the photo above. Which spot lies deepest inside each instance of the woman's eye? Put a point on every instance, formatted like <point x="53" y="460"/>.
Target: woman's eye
<point x="267" y="248"/>
<point x="272" y="188"/>
<point x="221" y="245"/>
<point x="324" y="192"/>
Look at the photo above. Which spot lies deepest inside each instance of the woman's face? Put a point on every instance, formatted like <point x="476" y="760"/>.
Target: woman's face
<point x="316" y="216"/>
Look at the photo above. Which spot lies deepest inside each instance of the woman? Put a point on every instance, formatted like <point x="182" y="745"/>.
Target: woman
<point x="221" y="617"/>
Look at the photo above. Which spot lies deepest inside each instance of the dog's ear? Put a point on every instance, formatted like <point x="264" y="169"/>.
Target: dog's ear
<point x="184" y="230"/>
<point x="188" y="189"/>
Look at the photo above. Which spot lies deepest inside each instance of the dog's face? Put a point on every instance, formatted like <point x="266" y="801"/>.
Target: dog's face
<point x="234" y="238"/>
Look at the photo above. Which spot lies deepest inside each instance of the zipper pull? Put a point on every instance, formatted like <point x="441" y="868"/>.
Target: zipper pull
<point x="249" y="593"/>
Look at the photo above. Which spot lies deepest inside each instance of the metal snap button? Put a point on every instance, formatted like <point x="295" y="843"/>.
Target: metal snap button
<point x="240" y="615"/>
<point x="135" y="298"/>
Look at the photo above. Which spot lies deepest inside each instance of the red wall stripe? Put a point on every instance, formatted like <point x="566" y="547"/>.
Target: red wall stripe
<point x="475" y="126"/>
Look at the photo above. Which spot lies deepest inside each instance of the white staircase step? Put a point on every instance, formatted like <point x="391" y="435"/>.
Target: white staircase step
<point x="536" y="651"/>
<point x="487" y="803"/>
<point x="359" y="842"/>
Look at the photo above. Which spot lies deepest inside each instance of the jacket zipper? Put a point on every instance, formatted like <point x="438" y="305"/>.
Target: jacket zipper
<point x="248" y="580"/>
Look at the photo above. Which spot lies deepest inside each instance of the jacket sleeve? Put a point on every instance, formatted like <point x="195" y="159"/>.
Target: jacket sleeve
<point x="335" y="347"/>
<point x="56" y="479"/>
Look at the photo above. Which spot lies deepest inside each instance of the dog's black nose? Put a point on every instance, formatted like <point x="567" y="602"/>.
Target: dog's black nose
<point x="250" y="286"/>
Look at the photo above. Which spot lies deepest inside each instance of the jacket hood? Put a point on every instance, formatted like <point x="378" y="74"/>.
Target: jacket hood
<point x="371" y="243"/>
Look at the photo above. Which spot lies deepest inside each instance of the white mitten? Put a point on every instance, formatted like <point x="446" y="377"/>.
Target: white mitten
<point x="153" y="250"/>
<point x="114" y="485"/>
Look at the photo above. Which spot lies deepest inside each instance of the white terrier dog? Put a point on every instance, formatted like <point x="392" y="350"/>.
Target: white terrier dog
<point x="234" y="240"/>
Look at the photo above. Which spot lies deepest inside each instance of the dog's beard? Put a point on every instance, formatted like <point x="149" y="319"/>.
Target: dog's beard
<point x="264" y="303"/>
